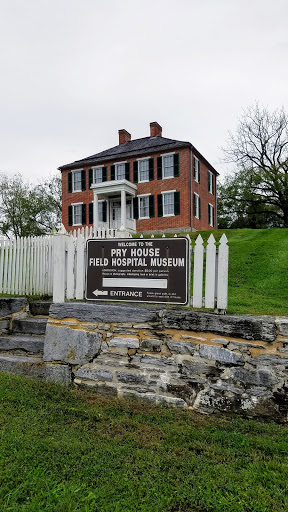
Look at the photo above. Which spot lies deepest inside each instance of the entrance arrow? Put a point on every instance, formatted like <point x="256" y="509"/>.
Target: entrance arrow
<point x="100" y="292"/>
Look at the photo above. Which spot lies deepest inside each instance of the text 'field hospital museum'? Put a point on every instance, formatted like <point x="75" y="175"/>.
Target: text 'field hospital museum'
<point x="146" y="185"/>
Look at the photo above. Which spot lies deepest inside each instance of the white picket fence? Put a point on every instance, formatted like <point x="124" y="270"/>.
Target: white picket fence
<point x="55" y="265"/>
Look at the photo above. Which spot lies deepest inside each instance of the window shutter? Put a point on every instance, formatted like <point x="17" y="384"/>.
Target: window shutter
<point x="90" y="177"/>
<point x="135" y="208"/>
<point x="176" y="164"/>
<point x="176" y="203"/>
<point x="212" y="178"/>
<point x="112" y="172"/>
<point x="151" y="207"/>
<point x="70" y="216"/>
<point x="151" y="170"/>
<point x="127" y="171"/>
<point x="209" y="181"/>
<point x="105" y="211"/>
<point x="70" y="184"/>
<point x="135" y="172"/>
<point x="83" y="180"/>
<point x="83" y="214"/>
<point x="194" y="168"/>
<point x="159" y="167"/>
<point x="194" y="204"/>
<point x="160" y="205"/>
<point x="199" y="171"/>
<point x="90" y="213"/>
<point x="104" y="173"/>
<point x="199" y="202"/>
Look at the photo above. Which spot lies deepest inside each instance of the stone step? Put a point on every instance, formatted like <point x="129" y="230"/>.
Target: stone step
<point x="33" y="344"/>
<point x="29" y="325"/>
<point x="34" y="367"/>
<point x="40" y="308"/>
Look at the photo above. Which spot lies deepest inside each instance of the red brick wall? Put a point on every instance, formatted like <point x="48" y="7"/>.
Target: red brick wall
<point x="180" y="184"/>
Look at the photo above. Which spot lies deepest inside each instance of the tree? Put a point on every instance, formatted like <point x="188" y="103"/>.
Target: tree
<point x="259" y="187"/>
<point x="29" y="210"/>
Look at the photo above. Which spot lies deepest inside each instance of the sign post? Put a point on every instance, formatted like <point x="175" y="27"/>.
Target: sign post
<point x="138" y="270"/>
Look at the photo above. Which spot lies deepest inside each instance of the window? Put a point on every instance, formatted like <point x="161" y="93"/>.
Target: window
<point x="120" y="171"/>
<point x="97" y="175"/>
<point x="168" y="166"/>
<point x="210" y="182"/>
<point x="196" y="169"/>
<point x="143" y="170"/>
<point x="168" y="204"/>
<point x="77" y="214"/>
<point x="211" y="215"/>
<point x="129" y="209"/>
<point x="143" y="207"/>
<point x="102" y="211"/>
<point x="196" y="206"/>
<point x="77" y="181"/>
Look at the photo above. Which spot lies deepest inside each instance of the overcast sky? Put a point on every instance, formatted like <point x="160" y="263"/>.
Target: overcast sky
<point x="74" y="72"/>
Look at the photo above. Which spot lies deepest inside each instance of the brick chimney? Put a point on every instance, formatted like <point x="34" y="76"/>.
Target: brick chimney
<point x="155" y="129"/>
<point x="124" y="136"/>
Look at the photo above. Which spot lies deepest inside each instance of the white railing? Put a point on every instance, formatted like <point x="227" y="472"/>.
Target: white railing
<point x="55" y="265"/>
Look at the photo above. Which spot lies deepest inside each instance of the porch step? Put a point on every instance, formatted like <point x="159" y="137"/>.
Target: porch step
<point x="32" y="344"/>
<point x="28" y="325"/>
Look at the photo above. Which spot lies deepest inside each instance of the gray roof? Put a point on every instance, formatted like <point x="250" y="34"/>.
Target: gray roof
<point x="135" y="147"/>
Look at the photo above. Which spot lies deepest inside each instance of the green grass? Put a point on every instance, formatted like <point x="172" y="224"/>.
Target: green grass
<point x="258" y="270"/>
<point x="68" y="451"/>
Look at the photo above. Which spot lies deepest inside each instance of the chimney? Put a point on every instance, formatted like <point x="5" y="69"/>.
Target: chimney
<point x="124" y="136"/>
<point x="155" y="129"/>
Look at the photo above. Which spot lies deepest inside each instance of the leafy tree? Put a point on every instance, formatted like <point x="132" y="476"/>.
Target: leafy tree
<point x="257" y="194"/>
<point x="29" y="210"/>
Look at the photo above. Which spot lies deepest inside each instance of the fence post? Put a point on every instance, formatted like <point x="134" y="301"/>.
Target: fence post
<point x="59" y="273"/>
<point x="198" y="272"/>
<point x="222" y="292"/>
<point x="210" y="273"/>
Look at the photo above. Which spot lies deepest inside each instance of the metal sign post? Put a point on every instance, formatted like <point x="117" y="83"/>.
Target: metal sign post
<point x="138" y="270"/>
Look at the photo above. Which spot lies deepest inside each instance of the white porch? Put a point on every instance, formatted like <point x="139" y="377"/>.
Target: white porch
<point x="119" y="196"/>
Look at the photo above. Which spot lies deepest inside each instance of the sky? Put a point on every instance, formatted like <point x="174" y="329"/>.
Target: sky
<point x="75" y="72"/>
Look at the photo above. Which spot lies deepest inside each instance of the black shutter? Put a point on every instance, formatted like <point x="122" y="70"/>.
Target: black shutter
<point x="90" y="177"/>
<point x="176" y="164"/>
<point x="70" y="216"/>
<point x="112" y="172"/>
<point x="194" y="168"/>
<point x="127" y="171"/>
<point x="159" y="167"/>
<point x="135" y="172"/>
<point x="194" y="204"/>
<point x="151" y="207"/>
<point x="212" y="178"/>
<point x="199" y="202"/>
<point x="83" y="214"/>
<point x="160" y="205"/>
<point x="104" y="173"/>
<point x="104" y="211"/>
<point x="83" y="180"/>
<point x="213" y="220"/>
<point x="70" y="184"/>
<point x="135" y="208"/>
<point x="90" y="213"/>
<point x="209" y="180"/>
<point x="151" y="170"/>
<point x="176" y="203"/>
<point x="199" y="171"/>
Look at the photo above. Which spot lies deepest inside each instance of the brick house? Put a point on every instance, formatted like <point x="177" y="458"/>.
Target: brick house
<point x="152" y="184"/>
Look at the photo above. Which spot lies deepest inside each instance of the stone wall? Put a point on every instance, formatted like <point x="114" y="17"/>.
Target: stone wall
<point x="199" y="360"/>
<point x="176" y="356"/>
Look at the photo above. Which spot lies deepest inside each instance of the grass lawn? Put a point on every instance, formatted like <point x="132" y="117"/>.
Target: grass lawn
<point x="63" y="451"/>
<point x="258" y="270"/>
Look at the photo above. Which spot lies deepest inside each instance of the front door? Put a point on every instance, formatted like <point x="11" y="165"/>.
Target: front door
<point x="115" y="214"/>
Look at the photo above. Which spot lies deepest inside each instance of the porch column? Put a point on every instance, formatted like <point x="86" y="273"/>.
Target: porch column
<point x="123" y="210"/>
<point x="95" y="212"/>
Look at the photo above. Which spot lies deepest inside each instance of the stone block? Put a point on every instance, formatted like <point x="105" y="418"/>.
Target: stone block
<point x="4" y="326"/>
<point x="32" y="344"/>
<point x="60" y="373"/>
<point x="151" y="345"/>
<point x="248" y="327"/>
<point x="9" y="306"/>
<point x="73" y="346"/>
<point x="96" y="374"/>
<point x="282" y="323"/>
<point x="221" y="355"/>
<point x="23" y="365"/>
<point x="107" y="313"/>
<point x="40" y="308"/>
<point x="132" y="342"/>
<point x="189" y="368"/>
<point x="182" y="347"/>
<point x="269" y="360"/>
<point x="263" y="378"/>
<point x="131" y="378"/>
<point x="156" y="361"/>
<point x="29" y="325"/>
